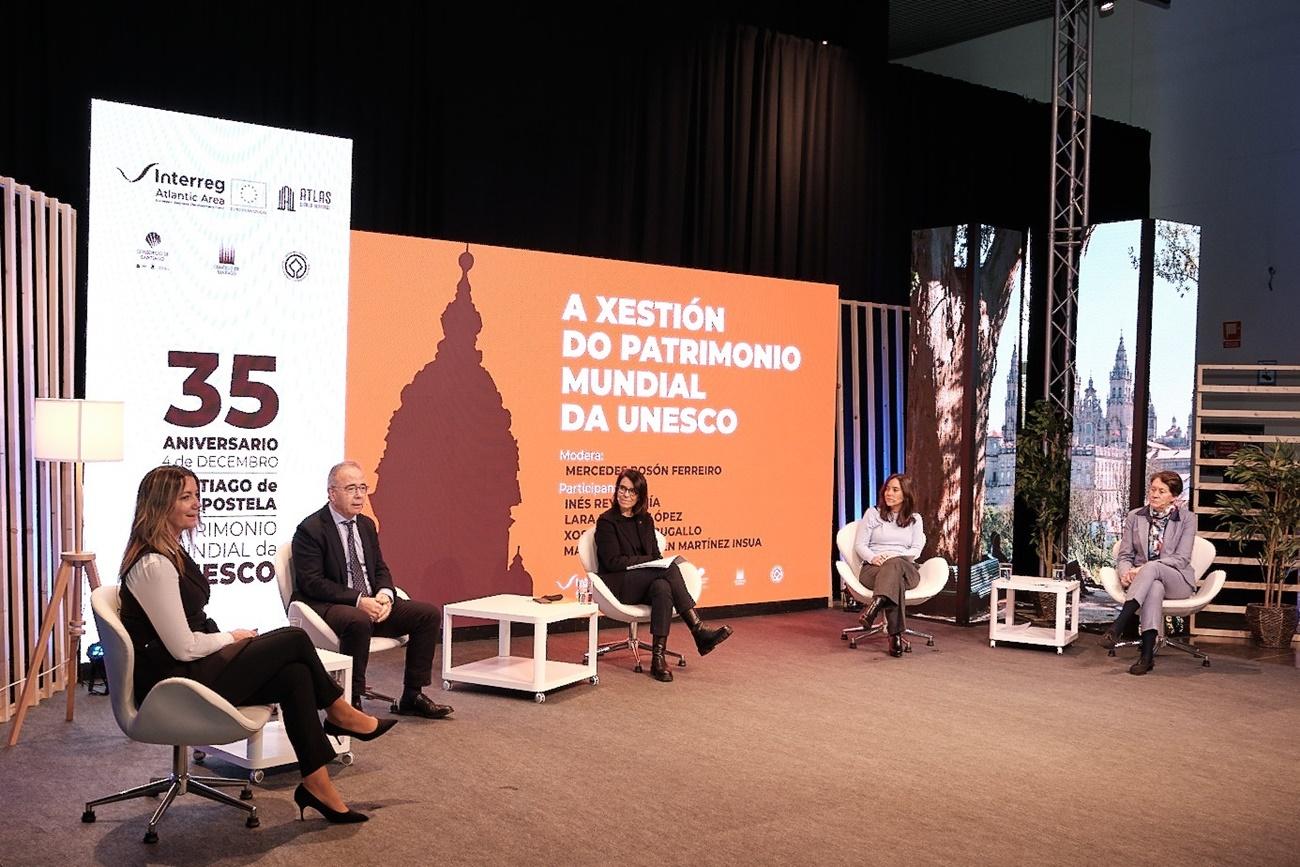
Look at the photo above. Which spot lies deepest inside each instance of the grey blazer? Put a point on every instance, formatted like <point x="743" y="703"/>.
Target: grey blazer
<point x="1176" y="552"/>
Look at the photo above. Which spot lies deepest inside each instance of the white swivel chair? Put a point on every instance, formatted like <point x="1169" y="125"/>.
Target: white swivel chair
<point x="632" y="615"/>
<point x="1208" y="585"/>
<point x="178" y="712"/>
<point x="303" y="616"/>
<point x="934" y="575"/>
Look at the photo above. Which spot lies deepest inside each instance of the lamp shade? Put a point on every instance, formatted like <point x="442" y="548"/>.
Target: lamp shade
<point x="77" y="430"/>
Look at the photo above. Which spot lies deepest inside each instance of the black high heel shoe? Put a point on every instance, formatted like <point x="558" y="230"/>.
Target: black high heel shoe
<point x="340" y="732"/>
<point x="305" y="799"/>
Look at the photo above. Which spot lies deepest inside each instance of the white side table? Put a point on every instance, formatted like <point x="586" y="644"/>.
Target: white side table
<point x="1008" y="630"/>
<point x="270" y="747"/>
<point x="535" y="674"/>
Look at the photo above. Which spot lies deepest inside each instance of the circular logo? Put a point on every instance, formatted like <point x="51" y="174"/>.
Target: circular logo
<point x="295" y="266"/>
<point x="777" y="574"/>
<point x="153" y="239"/>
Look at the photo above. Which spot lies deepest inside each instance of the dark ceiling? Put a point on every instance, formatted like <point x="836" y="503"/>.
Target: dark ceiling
<point x="924" y="25"/>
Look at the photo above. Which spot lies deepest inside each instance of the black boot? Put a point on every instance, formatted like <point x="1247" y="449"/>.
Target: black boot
<point x="895" y="645"/>
<point x="706" y="638"/>
<point x="868" y="617"/>
<point x="1148" y="659"/>
<point x="658" y="662"/>
<point x="1111" y="635"/>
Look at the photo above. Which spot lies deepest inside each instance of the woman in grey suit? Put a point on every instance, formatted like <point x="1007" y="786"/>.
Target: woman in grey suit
<point x="1154" y="563"/>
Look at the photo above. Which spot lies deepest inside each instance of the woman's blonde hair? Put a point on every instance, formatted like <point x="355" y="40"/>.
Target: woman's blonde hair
<point x="159" y="490"/>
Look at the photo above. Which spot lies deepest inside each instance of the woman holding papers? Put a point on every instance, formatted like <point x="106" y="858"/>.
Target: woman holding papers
<point x="625" y="540"/>
<point x="889" y="540"/>
<point x="163" y="598"/>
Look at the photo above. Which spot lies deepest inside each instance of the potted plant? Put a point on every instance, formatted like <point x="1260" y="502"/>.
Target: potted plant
<point x="1267" y="513"/>
<point x="1043" y="482"/>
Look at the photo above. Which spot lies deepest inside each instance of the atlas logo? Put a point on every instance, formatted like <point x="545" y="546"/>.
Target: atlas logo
<point x="137" y="178"/>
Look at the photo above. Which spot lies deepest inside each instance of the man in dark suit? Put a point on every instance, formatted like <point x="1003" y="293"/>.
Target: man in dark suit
<point x="339" y="571"/>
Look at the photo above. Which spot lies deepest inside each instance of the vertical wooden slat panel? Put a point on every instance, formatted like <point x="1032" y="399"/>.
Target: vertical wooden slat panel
<point x="37" y="252"/>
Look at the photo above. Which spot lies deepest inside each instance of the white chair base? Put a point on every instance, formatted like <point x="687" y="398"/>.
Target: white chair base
<point x="1184" y="646"/>
<point x="633" y="644"/>
<point x="179" y="782"/>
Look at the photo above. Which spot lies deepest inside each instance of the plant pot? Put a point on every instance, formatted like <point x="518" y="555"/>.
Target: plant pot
<point x="1271" y="627"/>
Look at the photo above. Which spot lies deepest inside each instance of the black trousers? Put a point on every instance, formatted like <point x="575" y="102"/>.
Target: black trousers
<point x="661" y="589"/>
<point x="282" y="667"/>
<point x="421" y="620"/>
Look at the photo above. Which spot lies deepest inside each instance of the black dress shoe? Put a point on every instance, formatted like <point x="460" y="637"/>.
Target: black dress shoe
<point x="895" y="645"/>
<point x="423" y="706"/>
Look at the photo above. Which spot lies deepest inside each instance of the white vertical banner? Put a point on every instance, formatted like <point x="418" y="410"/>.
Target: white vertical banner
<point x="217" y="310"/>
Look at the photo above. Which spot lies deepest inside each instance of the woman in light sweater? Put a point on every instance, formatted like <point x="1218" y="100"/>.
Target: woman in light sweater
<point x="888" y="541"/>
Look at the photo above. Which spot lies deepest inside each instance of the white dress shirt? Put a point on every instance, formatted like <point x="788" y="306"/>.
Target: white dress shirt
<point x="341" y="524"/>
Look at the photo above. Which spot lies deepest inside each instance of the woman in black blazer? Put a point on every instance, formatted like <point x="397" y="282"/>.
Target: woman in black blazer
<point x="163" y="595"/>
<point x="625" y="536"/>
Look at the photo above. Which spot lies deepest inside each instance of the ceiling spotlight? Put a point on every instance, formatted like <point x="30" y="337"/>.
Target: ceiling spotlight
<point x="1106" y="7"/>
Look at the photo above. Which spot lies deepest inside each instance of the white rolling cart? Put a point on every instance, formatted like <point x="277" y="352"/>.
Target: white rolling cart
<point x="1066" y="629"/>
<point x="536" y="673"/>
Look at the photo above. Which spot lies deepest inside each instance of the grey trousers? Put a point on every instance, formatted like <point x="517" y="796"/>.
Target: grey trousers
<point x="892" y="581"/>
<point x="1154" y="583"/>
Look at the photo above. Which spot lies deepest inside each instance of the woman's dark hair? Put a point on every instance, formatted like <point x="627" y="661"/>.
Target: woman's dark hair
<point x="1172" y="480"/>
<point x="642" y="491"/>
<point x="906" y="509"/>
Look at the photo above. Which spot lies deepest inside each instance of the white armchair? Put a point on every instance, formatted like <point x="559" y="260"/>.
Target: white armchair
<point x="322" y="636"/>
<point x="934" y="575"/>
<point x="1208" y="585"/>
<point x="178" y="712"/>
<point x="632" y="615"/>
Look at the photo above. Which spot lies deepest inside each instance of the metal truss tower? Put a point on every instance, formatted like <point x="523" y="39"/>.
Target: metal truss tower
<point x="1071" y="137"/>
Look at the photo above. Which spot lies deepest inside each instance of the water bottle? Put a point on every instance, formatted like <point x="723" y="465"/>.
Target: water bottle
<point x="584" y="589"/>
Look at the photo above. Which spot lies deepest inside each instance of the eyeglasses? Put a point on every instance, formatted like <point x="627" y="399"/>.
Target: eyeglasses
<point x="631" y="492"/>
<point x="353" y="490"/>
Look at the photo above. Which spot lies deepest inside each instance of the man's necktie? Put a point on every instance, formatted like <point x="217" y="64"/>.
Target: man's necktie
<point x="356" y="574"/>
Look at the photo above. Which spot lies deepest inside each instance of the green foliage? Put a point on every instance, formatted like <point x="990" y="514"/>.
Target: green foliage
<point x="1268" y="512"/>
<point x="997" y="520"/>
<point x="1043" y="477"/>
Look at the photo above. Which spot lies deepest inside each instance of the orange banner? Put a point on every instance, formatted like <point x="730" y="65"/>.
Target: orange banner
<point x="493" y="393"/>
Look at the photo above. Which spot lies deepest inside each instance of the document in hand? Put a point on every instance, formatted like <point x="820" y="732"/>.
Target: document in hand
<point x="661" y="563"/>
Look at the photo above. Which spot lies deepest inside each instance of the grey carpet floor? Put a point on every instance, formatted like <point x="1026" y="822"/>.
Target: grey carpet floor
<point x="782" y="747"/>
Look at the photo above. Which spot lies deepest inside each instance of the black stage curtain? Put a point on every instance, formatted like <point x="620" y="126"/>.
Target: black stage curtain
<point x="695" y="140"/>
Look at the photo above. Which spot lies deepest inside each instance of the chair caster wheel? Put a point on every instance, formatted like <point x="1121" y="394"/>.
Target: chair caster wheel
<point x="637" y="668"/>
<point x="88" y="816"/>
<point x="1205" y="664"/>
<point x="1110" y="652"/>
<point x="392" y="708"/>
<point x="252" y="822"/>
<point x="540" y="698"/>
<point x="446" y="686"/>
<point x="993" y="644"/>
<point x="151" y="836"/>
<point x="930" y="643"/>
<point x="256" y="776"/>
<point x="853" y="645"/>
<point x="246" y="794"/>
<point x="199" y="756"/>
<point x="843" y="637"/>
<point x="346" y="759"/>
<point x="681" y="663"/>
<point x="594" y="679"/>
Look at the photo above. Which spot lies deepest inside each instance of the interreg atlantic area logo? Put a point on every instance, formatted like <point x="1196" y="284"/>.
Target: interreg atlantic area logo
<point x="151" y="257"/>
<point x="178" y="188"/>
<point x="296" y="266"/>
<point x="226" y="260"/>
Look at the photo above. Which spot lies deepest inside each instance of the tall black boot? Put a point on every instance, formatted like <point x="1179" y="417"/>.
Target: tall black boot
<point x="1111" y="635"/>
<point x="1148" y="659"/>
<point x="658" y="663"/>
<point x="868" y="617"/>
<point x="706" y="638"/>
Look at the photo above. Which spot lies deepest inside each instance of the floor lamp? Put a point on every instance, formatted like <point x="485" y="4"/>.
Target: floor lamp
<point x="71" y="431"/>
